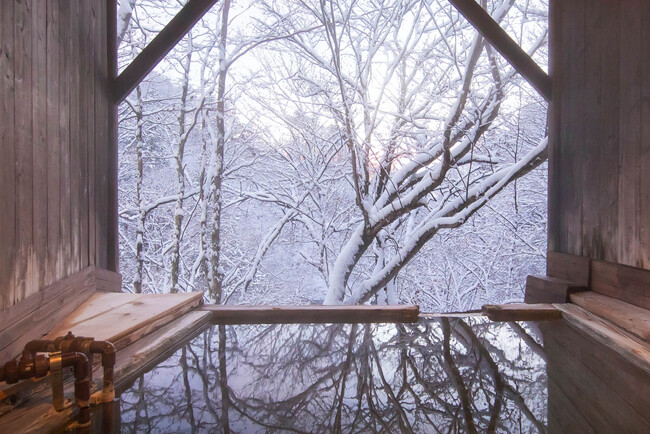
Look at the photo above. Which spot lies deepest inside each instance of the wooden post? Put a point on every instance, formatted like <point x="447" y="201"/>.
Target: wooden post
<point x="112" y="209"/>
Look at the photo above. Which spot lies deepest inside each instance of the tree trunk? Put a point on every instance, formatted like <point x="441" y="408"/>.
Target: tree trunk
<point x="215" y="276"/>
<point x="183" y="134"/>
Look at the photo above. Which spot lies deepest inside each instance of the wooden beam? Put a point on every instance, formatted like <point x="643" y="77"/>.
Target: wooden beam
<point x="521" y="312"/>
<point x="158" y="48"/>
<point x="504" y="44"/>
<point x="112" y="239"/>
<point x="310" y="314"/>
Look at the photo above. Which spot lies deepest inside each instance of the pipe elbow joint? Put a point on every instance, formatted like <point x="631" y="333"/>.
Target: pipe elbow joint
<point x="107" y="350"/>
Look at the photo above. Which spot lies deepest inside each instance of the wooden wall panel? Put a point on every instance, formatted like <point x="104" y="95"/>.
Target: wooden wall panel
<point x="23" y="270"/>
<point x="599" y="186"/>
<point x="592" y="389"/>
<point x="7" y="149"/>
<point x="54" y="131"/>
<point x="644" y="157"/>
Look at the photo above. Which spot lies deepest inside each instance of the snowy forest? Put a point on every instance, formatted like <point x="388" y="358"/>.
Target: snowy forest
<point x="333" y="151"/>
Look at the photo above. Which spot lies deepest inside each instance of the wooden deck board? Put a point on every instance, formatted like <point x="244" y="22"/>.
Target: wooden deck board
<point x="38" y="415"/>
<point x="116" y="316"/>
<point x="634" y="319"/>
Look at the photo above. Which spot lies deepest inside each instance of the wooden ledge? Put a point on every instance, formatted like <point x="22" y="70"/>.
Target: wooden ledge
<point x="521" y="312"/>
<point x="627" y="345"/>
<point x="36" y="315"/>
<point x="124" y="318"/>
<point x="119" y="318"/>
<point x="37" y="414"/>
<point x="631" y="318"/>
<point x="245" y="314"/>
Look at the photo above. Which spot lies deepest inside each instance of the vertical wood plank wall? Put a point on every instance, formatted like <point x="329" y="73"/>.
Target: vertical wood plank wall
<point x="599" y="192"/>
<point x="55" y="157"/>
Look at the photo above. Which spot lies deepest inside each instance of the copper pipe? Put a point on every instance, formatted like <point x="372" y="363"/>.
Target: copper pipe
<point x="38" y="366"/>
<point x="38" y="346"/>
<point x="107" y="350"/>
<point x="81" y="367"/>
<point x="88" y="346"/>
<point x="75" y="353"/>
<point x="27" y="364"/>
<point x="13" y="371"/>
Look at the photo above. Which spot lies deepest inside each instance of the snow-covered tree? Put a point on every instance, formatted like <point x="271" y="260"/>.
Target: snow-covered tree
<point x="300" y="151"/>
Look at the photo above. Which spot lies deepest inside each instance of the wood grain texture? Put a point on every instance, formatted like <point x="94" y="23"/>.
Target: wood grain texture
<point x="44" y="89"/>
<point x="123" y="318"/>
<point x="24" y="281"/>
<point x="108" y="281"/>
<point x="592" y="387"/>
<point x="7" y="152"/>
<point x="149" y="351"/>
<point x="112" y="247"/>
<point x="629" y="284"/>
<point x="37" y="415"/>
<point x="632" y="318"/>
<point x="521" y="312"/>
<point x="563" y="415"/>
<point x="64" y="252"/>
<point x="633" y="350"/>
<point x="54" y="147"/>
<point x="644" y="150"/>
<point x="555" y="226"/>
<point x="567" y="267"/>
<point x="599" y="191"/>
<point x="39" y="313"/>
<point x="242" y="314"/>
<point x="590" y="180"/>
<point x="541" y="289"/>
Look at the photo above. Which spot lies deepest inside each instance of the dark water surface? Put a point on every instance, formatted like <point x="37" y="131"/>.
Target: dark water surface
<point x="442" y="375"/>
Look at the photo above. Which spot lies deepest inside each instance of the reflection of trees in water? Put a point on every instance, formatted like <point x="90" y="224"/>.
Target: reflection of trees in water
<point x="451" y="375"/>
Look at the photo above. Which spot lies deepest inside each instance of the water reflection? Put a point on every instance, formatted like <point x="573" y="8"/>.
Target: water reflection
<point x="447" y="375"/>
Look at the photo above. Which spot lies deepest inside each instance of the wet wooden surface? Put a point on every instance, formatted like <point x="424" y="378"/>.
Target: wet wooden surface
<point x="123" y="318"/>
<point x="522" y="312"/>
<point x="38" y="415"/>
